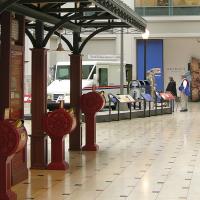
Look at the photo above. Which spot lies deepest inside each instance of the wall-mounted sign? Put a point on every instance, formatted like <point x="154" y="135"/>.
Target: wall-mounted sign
<point x="104" y="57"/>
<point x="125" y="98"/>
<point x="16" y="89"/>
<point x="15" y="30"/>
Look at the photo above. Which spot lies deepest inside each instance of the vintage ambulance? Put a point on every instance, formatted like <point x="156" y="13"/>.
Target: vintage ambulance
<point x="103" y="75"/>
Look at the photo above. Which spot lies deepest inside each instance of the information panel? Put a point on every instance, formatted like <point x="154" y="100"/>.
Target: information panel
<point x="16" y="83"/>
<point x="167" y="96"/>
<point x="125" y="98"/>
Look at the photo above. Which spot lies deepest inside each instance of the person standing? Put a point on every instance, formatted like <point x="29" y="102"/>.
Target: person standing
<point x="184" y="93"/>
<point x="171" y="87"/>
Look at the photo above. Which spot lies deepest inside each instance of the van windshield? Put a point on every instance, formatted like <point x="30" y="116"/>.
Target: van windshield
<point x="63" y="71"/>
<point x="86" y="69"/>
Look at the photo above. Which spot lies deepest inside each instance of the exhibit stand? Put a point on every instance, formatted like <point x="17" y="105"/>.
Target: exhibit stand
<point x="91" y="103"/>
<point x="13" y="140"/>
<point x="57" y="125"/>
<point x="147" y="98"/>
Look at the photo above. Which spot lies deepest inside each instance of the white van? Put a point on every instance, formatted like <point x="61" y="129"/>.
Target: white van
<point x="104" y="75"/>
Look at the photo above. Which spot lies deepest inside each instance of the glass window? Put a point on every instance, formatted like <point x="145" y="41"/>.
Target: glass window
<point x="149" y="3"/>
<point x="62" y="72"/>
<point x="143" y="3"/>
<point x="186" y="2"/>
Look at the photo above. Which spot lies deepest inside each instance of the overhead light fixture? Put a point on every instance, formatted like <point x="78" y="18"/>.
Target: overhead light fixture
<point x="145" y="35"/>
<point x="60" y="46"/>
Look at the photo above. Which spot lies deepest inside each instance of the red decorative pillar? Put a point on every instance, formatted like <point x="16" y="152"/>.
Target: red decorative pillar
<point x="91" y="103"/>
<point x="5" y="181"/>
<point x="58" y="124"/>
<point x="75" y="95"/>
<point x="13" y="139"/>
<point x="39" y="108"/>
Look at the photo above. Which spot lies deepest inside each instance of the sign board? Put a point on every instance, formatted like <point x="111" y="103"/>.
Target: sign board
<point x="6" y="113"/>
<point x="15" y="30"/>
<point x="170" y="96"/>
<point x="16" y="85"/>
<point x="27" y="98"/>
<point x="125" y="98"/>
<point x="147" y="97"/>
<point x="167" y="96"/>
<point x="103" y="57"/>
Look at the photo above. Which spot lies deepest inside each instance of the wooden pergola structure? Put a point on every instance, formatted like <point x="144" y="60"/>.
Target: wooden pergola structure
<point x="39" y="20"/>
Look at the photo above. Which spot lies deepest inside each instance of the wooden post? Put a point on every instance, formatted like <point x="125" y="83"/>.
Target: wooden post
<point x="39" y="108"/>
<point x="11" y="83"/>
<point x="75" y="137"/>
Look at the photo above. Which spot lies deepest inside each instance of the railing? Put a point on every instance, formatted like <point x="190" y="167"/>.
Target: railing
<point x="167" y="10"/>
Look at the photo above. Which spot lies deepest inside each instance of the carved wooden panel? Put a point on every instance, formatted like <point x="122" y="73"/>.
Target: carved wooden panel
<point x="195" y="82"/>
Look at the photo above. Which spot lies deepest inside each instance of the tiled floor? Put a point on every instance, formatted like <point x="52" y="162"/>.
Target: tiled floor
<point x="154" y="158"/>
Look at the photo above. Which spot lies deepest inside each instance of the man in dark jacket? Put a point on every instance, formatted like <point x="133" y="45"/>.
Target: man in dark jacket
<point x="171" y="87"/>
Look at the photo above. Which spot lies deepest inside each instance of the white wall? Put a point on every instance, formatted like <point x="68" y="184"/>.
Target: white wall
<point x="129" y="3"/>
<point x="177" y="55"/>
<point x="129" y="50"/>
<point x="100" y="46"/>
<point x="174" y="26"/>
<point x="28" y="46"/>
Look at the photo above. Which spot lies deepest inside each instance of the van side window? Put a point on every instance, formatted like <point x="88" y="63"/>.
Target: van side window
<point x="103" y="76"/>
<point x="62" y="72"/>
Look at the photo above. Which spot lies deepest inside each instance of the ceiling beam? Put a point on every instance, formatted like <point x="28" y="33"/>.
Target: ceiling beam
<point x="49" y="1"/>
<point x="101" y="24"/>
<point x="120" y="10"/>
<point x="104" y="17"/>
<point x="24" y="10"/>
<point x="6" y="4"/>
<point x="56" y="10"/>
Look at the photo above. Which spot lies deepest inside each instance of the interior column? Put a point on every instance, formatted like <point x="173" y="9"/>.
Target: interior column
<point x="39" y="108"/>
<point x="75" y="94"/>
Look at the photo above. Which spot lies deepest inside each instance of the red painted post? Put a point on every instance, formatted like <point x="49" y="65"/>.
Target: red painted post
<point x="5" y="62"/>
<point x="58" y="124"/>
<point x="13" y="139"/>
<point x="90" y="143"/>
<point x="91" y="103"/>
<point x="58" y="154"/>
<point x="5" y="181"/>
<point x="75" y="95"/>
<point x="39" y="108"/>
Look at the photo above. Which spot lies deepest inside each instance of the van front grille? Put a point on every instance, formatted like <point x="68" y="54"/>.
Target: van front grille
<point x="55" y="96"/>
